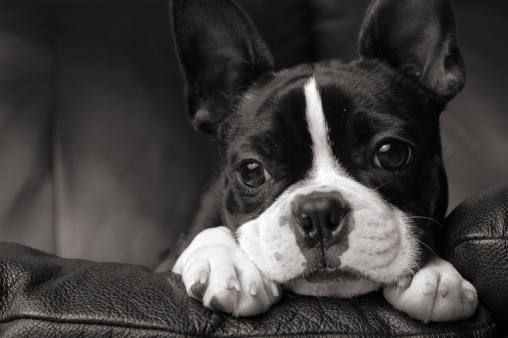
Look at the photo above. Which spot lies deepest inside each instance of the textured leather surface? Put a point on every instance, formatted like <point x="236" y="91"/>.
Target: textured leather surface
<point x="476" y="235"/>
<point x="43" y="295"/>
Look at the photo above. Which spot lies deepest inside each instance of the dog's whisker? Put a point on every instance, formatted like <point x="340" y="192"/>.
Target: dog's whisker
<point x="427" y="218"/>
<point x="470" y="147"/>
<point x="428" y="247"/>
<point x="382" y="185"/>
<point x="449" y="138"/>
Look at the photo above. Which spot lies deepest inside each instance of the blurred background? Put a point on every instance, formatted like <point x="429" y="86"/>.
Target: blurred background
<point x="97" y="157"/>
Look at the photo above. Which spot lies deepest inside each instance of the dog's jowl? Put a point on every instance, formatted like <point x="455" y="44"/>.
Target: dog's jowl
<point x="331" y="180"/>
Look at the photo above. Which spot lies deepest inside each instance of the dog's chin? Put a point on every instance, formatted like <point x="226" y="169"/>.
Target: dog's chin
<point x="329" y="282"/>
<point x="332" y="275"/>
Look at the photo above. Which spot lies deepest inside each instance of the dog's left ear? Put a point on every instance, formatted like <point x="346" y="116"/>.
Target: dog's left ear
<point x="221" y="55"/>
<point x="417" y="37"/>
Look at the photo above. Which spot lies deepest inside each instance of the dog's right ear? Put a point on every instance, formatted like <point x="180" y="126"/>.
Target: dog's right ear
<point x="416" y="37"/>
<point x="221" y="54"/>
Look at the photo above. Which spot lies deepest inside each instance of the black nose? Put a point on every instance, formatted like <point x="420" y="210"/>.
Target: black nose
<point x="319" y="212"/>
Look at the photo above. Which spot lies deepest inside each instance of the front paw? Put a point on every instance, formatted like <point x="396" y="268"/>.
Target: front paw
<point x="436" y="293"/>
<point x="216" y="272"/>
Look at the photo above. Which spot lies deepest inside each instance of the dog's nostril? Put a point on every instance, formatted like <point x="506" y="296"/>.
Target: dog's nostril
<point x="335" y="216"/>
<point x="305" y="222"/>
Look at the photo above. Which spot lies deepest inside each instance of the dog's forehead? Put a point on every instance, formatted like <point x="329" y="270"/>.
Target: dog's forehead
<point x="358" y="100"/>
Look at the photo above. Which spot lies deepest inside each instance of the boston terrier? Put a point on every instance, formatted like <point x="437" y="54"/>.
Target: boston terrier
<point x="331" y="176"/>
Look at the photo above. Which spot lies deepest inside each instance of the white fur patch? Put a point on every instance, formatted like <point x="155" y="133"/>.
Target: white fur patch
<point x="271" y="245"/>
<point x="437" y="292"/>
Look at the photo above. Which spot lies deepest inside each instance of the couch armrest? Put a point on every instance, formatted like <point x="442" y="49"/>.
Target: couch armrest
<point x="476" y="243"/>
<point x="44" y="295"/>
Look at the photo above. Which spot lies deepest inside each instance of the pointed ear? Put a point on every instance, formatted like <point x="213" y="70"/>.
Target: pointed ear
<point x="418" y="38"/>
<point x="221" y="54"/>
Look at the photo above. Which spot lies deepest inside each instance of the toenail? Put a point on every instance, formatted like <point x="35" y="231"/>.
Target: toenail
<point x="469" y="295"/>
<point x="274" y="289"/>
<point x="403" y="282"/>
<point x="214" y="302"/>
<point x="234" y="284"/>
<point x="253" y="290"/>
<point x="203" y="277"/>
<point x="198" y="290"/>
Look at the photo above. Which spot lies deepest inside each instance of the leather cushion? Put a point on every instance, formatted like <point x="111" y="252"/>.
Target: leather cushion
<point x="476" y="234"/>
<point x="44" y="295"/>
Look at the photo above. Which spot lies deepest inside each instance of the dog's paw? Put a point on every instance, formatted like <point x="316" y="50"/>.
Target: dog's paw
<point x="436" y="293"/>
<point x="216" y="272"/>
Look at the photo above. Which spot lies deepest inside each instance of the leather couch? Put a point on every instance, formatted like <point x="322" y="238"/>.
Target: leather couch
<point x="42" y="295"/>
<point x="98" y="162"/>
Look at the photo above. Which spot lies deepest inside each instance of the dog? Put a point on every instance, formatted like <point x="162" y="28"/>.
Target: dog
<point x="331" y="176"/>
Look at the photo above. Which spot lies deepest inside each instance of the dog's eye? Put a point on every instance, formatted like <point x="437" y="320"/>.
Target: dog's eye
<point x="393" y="155"/>
<point x="252" y="174"/>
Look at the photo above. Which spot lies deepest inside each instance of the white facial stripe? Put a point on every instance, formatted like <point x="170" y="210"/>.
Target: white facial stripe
<point x="324" y="165"/>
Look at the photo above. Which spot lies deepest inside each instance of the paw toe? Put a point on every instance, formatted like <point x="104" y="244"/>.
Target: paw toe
<point x="444" y="290"/>
<point x="224" y="301"/>
<point x="429" y="289"/>
<point x="255" y="299"/>
<point x="469" y="292"/>
<point x="250" y="306"/>
<point x="195" y="278"/>
<point x="459" y="301"/>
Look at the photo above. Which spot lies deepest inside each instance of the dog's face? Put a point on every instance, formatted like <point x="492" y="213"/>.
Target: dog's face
<point x="324" y="167"/>
<point x="332" y="172"/>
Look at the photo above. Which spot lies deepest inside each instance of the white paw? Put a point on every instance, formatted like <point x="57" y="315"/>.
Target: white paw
<point x="216" y="272"/>
<point x="436" y="293"/>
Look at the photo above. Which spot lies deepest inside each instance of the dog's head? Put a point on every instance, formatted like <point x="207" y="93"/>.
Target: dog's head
<point x="332" y="172"/>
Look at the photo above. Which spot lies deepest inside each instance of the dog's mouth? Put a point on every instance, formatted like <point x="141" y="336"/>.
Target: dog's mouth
<point x="332" y="274"/>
